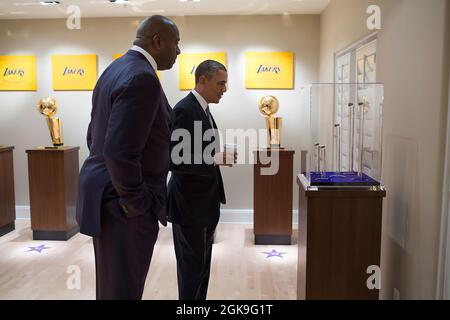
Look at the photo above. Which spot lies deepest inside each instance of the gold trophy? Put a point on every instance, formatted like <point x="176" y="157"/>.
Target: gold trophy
<point x="47" y="107"/>
<point x="268" y="106"/>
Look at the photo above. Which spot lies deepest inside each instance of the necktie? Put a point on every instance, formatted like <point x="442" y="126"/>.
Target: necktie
<point x="209" y="117"/>
<point x="216" y="135"/>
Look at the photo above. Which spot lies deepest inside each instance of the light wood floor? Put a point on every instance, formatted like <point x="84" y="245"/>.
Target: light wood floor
<point x="240" y="270"/>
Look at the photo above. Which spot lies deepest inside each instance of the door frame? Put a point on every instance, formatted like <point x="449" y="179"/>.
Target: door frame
<point x="443" y="274"/>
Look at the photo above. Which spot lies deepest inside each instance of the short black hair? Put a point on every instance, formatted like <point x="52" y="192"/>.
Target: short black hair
<point x="208" y="68"/>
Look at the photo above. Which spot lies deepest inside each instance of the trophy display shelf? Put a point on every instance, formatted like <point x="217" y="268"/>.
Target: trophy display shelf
<point x="335" y="179"/>
<point x="339" y="229"/>
<point x="7" y="197"/>
<point x="272" y="198"/>
<point x="53" y="183"/>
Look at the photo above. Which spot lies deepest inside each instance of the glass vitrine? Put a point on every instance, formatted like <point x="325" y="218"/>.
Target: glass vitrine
<point x="345" y="136"/>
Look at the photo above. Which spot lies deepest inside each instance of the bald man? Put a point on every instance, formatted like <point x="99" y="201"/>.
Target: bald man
<point x="122" y="183"/>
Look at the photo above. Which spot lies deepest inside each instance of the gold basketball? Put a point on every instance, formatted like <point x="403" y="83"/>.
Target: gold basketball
<point x="268" y="105"/>
<point x="47" y="106"/>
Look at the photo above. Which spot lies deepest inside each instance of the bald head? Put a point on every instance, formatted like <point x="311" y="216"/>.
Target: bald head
<point x="152" y="26"/>
<point x="159" y="36"/>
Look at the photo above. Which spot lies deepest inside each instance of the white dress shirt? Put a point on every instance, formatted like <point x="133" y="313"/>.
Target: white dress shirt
<point x="204" y="105"/>
<point x="147" y="56"/>
<point x="200" y="100"/>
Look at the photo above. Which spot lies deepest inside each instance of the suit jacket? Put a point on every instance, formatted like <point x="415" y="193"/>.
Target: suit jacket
<point x="128" y="140"/>
<point x="195" y="189"/>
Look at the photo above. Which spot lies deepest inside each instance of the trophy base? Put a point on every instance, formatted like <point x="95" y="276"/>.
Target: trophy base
<point x="274" y="147"/>
<point x="55" y="147"/>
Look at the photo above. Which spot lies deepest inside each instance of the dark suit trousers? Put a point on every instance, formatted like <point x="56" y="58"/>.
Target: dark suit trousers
<point x="193" y="249"/>
<point x="123" y="252"/>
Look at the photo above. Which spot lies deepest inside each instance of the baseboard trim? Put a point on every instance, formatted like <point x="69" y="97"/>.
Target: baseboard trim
<point x="245" y="216"/>
<point x="235" y="216"/>
<point x="23" y="212"/>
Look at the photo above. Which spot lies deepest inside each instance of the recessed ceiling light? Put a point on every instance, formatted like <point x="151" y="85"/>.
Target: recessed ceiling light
<point x="119" y="1"/>
<point x="25" y="4"/>
<point x="49" y="3"/>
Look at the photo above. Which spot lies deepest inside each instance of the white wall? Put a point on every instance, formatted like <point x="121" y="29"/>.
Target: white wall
<point x="412" y="46"/>
<point x="23" y="127"/>
<point x="443" y="276"/>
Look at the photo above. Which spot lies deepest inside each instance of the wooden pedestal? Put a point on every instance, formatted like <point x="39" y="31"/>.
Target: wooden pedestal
<point x="339" y="236"/>
<point x="53" y="178"/>
<point x="7" y="199"/>
<point x="272" y="199"/>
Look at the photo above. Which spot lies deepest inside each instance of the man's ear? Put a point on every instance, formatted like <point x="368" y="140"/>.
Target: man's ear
<point x="156" y="40"/>
<point x="202" y="79"/>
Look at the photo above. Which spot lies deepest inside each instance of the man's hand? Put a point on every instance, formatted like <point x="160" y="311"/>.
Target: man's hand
<point x="225" y="159"/>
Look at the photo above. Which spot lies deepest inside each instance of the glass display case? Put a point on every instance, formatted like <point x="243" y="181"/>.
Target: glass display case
<point x="345" y="136"/>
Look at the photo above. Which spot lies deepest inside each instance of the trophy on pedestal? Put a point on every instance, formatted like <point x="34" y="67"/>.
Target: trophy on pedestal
<point x="268" y="105"/>
<point x="47" y="107"/>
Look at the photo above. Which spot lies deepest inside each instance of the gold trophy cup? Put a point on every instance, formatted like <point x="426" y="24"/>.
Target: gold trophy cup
<point x="47" y="107"/>
<point x="268" y="106"/>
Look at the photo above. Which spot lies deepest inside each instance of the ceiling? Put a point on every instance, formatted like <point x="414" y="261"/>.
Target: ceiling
<point x="32" y="9"/>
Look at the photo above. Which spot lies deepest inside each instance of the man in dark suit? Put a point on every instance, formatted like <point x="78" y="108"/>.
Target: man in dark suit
<point x="122" y="184"/>
<point x="195" y="189"/>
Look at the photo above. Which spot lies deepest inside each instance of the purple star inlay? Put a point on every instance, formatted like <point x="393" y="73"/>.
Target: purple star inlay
<point x="274" y="253"/>
<point x="38" y="248"/>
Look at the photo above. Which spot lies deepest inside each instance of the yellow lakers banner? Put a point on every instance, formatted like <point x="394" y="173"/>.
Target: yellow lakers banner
<point x="188" y="62"/>
<point x="18" y="73"/>
<point x="269" y="70"/>
<point x="74" y="72"/>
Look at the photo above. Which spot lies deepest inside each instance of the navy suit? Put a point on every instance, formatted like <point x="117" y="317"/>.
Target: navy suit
<point x="195" y="192"/>
<point x="122" y="183"/>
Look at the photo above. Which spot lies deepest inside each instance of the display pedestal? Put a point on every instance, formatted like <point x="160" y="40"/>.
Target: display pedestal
<point x="339" y="235"/>
<point x="272" y="199"/>
<point x="7" y="199"/>
<point x="53" y="178"/>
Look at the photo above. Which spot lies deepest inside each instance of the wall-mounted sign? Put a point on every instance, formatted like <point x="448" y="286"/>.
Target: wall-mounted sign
<point x="269" y="70"/>
<point x="18" y="73"/>
<point x="74" y="72"/>
<point x="188" y="62"/>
